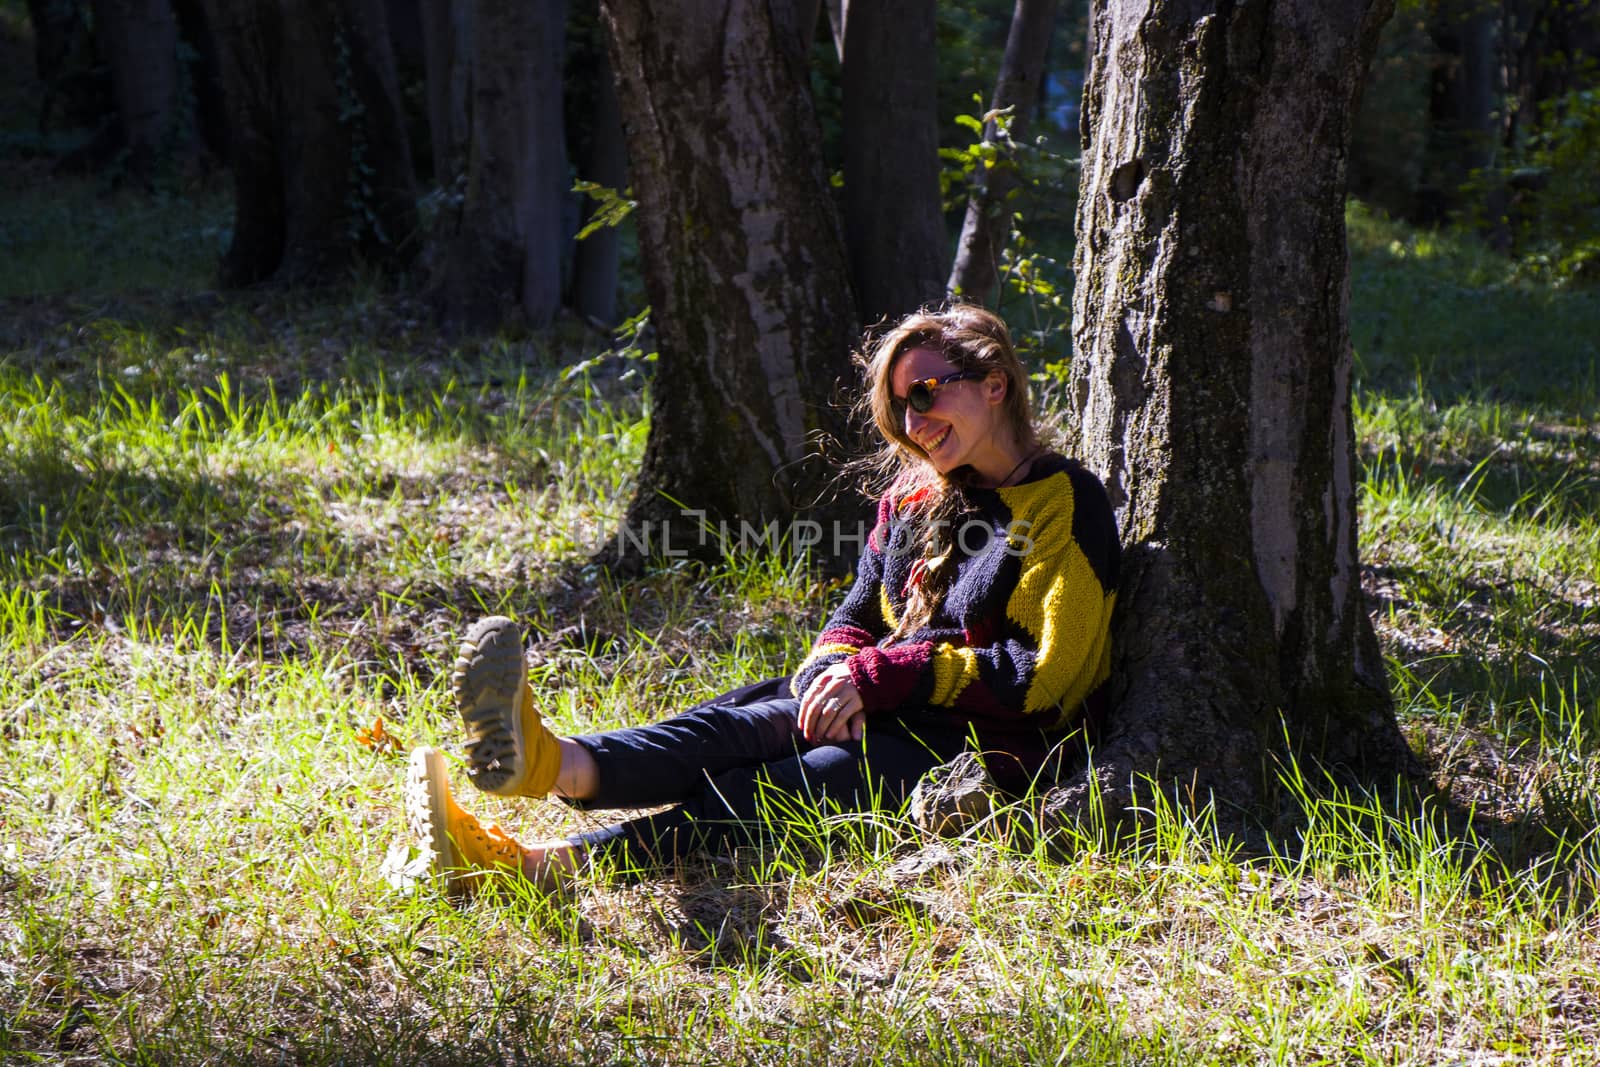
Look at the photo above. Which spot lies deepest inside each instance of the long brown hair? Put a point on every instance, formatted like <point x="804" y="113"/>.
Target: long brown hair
<point x="970" y="338"/>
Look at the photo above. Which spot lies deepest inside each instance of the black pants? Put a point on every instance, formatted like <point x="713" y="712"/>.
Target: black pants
<point x="726" y="763"/>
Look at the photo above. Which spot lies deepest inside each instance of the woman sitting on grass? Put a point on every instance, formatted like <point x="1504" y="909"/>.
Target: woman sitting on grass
<point x="978" y="619"/>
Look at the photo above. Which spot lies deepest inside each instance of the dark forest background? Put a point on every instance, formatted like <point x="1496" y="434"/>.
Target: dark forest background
<point x="386" y="136"/>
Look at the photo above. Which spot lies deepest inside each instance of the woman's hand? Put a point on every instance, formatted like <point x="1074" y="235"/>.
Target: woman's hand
<point x="831" y="709"/>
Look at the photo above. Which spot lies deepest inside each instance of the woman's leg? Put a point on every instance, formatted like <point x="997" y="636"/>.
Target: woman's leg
<point x="673" y="760"/>
<point x="743" y="803"/>
<point x="579" y="776"/>
<point x="511" y="752"/>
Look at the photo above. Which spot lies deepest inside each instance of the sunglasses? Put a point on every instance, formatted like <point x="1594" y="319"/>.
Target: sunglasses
<point x="922" y="393"/>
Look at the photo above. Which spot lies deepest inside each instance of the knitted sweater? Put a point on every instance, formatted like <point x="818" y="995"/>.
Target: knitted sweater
<point x="1021" y="637"/>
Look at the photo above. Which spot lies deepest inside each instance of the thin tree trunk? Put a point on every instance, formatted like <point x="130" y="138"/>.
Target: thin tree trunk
<point x="743" y="263"/>
<point x="501" y="253"/>
<point x="204" y="77"/>
<point x="63" y="58"/>
<point x="987" y="225"/>
<point x="447" y="51"/>
<point x="56" y="24"/>
<point x="1551" y="47"/>
<point x="139" y="39"/>
<point x="1461" y="106"/>
<point x="595" y="265"/>
<point x="837" y="10"/>
<point x="543" y="197"/>
<point x="1212" y="393"/>
<point x="893" y="223"/>
<point x="249" y="49"/>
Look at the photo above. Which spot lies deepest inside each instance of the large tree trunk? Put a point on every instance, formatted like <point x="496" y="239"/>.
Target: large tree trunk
<point x="139" y="39"/>
<point x="743" y="262"/>
<point x="987" y="226"/>
<point x="447" y="56"/>
<point x="893" y="222"/>
<point x="321" y="165"/>
<point x="1212" y="392"/>
<point x="501" y="255"/>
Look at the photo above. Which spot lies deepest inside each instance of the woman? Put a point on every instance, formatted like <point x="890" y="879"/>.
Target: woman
<point x="978" y="618"/>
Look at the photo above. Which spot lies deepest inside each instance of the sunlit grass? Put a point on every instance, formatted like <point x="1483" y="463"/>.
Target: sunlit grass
<point x="229" y="543"/>
<point x="1481" y="501"/>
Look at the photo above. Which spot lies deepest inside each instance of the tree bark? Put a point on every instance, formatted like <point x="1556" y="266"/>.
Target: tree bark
<point x="987" y="225"/>
<point x="743" y="262"/>
<point x="139" y="39"/>
<point x="1211" y="390"/>
<point x="501" y="254"/>
<point x="320" y="160"/>
<point x="893" y="221"/>
<point x="446" y="53"/>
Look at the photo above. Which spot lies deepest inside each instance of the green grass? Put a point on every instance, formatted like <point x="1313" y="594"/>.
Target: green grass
<point x="1479" y="421"/>
<point x="236" y="531"/>
<point x="120" y="241"/>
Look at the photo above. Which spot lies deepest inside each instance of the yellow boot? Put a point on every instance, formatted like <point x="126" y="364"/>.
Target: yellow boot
<point x="510" y="751"/>
<point x="462" y="848"/>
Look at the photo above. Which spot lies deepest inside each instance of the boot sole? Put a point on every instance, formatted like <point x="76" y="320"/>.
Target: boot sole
<point x="427" y="786"/>
<point x="489" y="677"/>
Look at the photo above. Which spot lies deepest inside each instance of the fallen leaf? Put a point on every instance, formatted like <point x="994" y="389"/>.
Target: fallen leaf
<point x="378" y="738"/>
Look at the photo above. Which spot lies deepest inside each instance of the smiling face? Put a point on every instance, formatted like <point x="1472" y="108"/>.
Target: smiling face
<point x="977" y="429"/>
<point x="965" y="425"/>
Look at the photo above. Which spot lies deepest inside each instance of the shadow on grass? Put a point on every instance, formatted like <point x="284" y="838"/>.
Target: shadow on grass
<point x="138" y="529"/>
<point x="1509" y="638"/>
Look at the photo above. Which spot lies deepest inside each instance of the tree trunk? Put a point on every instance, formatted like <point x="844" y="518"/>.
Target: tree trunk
<point x="1390" y="133"/>
<point x="64" y="59"/>
<point x="987" y="226"/>
<point x="446" y="53"/>
<point x="1211" y="390"/>
<point x="320" y="160"/>
<point x="1551" y="47"/>
<point x="893" y="221"/>
<point x="501" y="253"/>
<point x="204" y="77"/>
<point x="605" y="162"/>
<point x="139" y="39"/>
<point x="1462" y="97"/>
<point x="57" y="25"/>
<point x="836" y="13"/>
<point x="743" y="263"/>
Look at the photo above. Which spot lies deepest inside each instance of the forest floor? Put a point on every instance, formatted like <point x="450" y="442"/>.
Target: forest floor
<point x="237" y="530"/>
<point x="239" y="533"/>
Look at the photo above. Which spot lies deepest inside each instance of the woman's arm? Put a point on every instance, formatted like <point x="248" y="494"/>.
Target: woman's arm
<point x="858" y="622"/>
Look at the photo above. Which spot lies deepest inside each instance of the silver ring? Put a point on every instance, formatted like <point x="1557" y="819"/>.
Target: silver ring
<point x="831" y="704"/>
